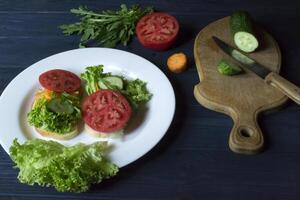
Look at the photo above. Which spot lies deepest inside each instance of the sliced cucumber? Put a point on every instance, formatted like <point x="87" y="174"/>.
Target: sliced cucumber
<point x="242" y="31"/>
<point x="113" y="81"/>
<point x="245" y="41"/>
<point x="102" y="85"/>
<point x="58" y="106"/>
<point x="242" y="58"/>
<point x="228" y="69"/>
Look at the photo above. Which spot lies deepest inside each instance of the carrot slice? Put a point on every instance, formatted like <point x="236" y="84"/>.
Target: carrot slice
<point x="177" y="62"/>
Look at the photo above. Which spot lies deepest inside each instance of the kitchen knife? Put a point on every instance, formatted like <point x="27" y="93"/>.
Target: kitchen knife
<point x="272" y="78"/>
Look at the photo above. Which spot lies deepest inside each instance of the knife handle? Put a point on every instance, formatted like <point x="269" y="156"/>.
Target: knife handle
<point x="285" y="86"/>
<point x="246" y="136"/>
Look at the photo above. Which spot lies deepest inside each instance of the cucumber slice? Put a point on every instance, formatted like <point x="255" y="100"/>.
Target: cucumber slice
<point x="245" y="41"/>
<point x="228" y="69"/>
<point x="242" y="31"/>
<point x="114" y="81"/>
<point x="58" y="106"/>
<point x="102" y="85"/>
<point x="242" y="58"/>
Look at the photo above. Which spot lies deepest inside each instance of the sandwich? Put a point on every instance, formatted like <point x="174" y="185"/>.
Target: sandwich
<point x="55" y="112"/>
<point x="105" y="112"/>
<point x="111" y="102"/>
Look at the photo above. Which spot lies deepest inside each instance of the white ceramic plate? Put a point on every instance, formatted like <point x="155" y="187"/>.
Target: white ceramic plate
<point x="145" y="129"/>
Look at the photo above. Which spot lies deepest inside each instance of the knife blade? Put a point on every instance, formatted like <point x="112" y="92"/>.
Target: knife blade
<point x="242" y="58"/>
<point x="272" y="78"/>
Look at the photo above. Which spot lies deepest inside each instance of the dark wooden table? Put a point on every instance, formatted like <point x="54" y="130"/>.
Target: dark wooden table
<point x="193" y="160"/>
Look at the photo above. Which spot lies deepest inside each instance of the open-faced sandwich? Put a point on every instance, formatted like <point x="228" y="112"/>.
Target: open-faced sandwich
<point x="56" y="111"/>
<point x="105" y="111"/>
<point x="112" y="100"/>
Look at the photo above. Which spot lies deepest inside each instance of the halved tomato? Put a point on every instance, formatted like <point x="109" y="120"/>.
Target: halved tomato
<point x="59" y="80"/>
<point x="157" y="30"/>
<point x="106" y="111"/>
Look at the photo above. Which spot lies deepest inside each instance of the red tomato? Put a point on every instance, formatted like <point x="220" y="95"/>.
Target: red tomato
<point x="59" y="80"/>
<point x="106" y="111"/>
<point x="157" y="30"/>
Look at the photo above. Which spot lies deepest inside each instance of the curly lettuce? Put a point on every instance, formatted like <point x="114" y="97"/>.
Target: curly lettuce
<point x="72" y="169"/>
<point x="92" y="76"/>
<point x="136" y="91"/>
<point x="49" y="114"/>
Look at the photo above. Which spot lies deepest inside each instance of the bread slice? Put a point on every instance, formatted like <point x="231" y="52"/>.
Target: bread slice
<point x="58" y="136"/>
<point x="99" y="134"/>
<point x="65" y="136"/>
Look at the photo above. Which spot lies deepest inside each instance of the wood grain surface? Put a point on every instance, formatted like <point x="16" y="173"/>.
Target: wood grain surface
<point x="288" y="88"/>
<point x="243" y="97"/>
<point x="193" y="160"/>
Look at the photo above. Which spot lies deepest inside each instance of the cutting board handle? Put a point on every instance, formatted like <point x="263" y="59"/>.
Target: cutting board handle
<point x="246" y="136"/>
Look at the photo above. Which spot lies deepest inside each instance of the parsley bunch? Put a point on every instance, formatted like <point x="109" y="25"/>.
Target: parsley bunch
<point x="106" y="28"/>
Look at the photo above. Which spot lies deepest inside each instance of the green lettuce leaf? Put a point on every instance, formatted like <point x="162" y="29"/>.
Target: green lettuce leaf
<point x="73" y="169"/>
<point x="137" y="93"/>
<point x="92" y="76"/>
<point x="41" y="116"/>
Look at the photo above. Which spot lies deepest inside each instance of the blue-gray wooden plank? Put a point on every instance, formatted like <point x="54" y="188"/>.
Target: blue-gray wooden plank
<point x="193" y="160"/>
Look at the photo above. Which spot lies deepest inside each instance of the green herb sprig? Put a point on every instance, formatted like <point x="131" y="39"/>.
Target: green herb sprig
<point x="106" y="28"/>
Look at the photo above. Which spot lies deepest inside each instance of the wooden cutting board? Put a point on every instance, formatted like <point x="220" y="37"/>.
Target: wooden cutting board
<point x="242" y="97"/>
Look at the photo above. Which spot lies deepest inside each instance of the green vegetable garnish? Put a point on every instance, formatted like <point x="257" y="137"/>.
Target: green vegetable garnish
<point x="59" y="115"/>
<point x="106" y="28"/>
<point x="73" y="169"/>
<point x="228" y="69"/>
<point x="134" y="90"/>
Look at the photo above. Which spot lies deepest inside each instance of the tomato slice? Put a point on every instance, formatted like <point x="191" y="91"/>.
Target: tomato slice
<point x="106" y="111"/>
<point x="157" y="30"/>
<point x="59" y="80"/>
